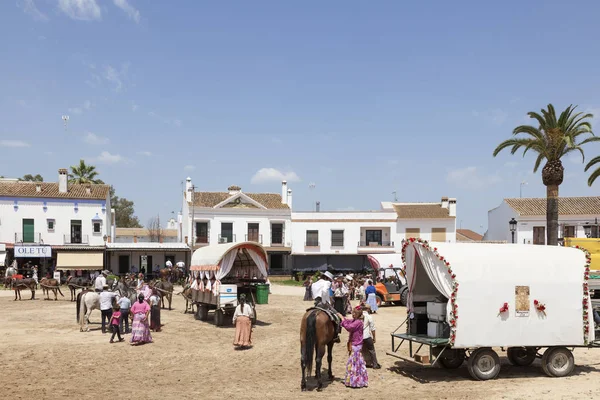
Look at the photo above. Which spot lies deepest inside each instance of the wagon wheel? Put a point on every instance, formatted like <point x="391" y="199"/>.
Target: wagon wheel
<point x="484" y="364"/>
<point x="404" y="297"/>
<point x="558" y="362"/>
<point x="201" y="312"/>
<point x="378" y="300"/>
<point x="521" y="356"/>
<point x="452" y="359"/>
<point x="219" y="317"/>
<point x="253" y="299"/>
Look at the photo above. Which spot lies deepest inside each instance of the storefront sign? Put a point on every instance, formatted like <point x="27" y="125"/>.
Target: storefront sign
<point x="57" y="275"/>
<point x="33" y="251"/>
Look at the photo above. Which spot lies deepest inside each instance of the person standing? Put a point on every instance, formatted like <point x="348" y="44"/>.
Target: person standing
<point x="155" y="311"/>
<point x="307" y="291"/>
<point x="106" y="306"/>
<point x="114" y="323"/>
<point x="34" y="274"/>
<point x="100" y="282"/>
<point x="124" y="305"/>
<point x="140" y="330"/>
<point x="356" y="369"/>
<point x="371" y="294"/>
<point x="369" y="338"/>
<point x="339" y="296"/>
<point x="242" y="319"/>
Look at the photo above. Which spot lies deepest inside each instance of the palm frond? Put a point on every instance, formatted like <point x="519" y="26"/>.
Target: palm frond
<point x="530" y="130"/>
<point x="539" y="119"/>
<point x="538" y="161"/>
<point x="576" y="148"/>
<point x="592" y="162"/>
<point x="593" y="176"/>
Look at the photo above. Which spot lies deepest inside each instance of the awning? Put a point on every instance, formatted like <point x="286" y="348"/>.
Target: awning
<point x="2" y="259"/>
<point x="75" y="261"/>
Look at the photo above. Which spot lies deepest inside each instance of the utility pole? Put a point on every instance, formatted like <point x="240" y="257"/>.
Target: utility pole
<point x="193" y="218"/>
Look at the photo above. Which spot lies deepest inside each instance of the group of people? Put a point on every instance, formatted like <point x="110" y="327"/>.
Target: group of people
<point x="342" y="289"/>
<point x="361" y="327"/>
<point x="118" y="312"/>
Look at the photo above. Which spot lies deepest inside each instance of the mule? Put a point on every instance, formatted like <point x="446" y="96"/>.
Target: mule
<point x="187" y="295"/>
<point x="21" y="284"/>
<point x="48" y="285"/>
<point x="165" y="290"/>
<point x="317" y="332"/>
<point x="76" y="283"/>
<point x="87" y="301"/>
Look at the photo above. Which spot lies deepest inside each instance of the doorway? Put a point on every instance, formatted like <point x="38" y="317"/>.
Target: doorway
<point x="276" y="262"/>
<point x="539" y="235"/>
<point x="76" y="232"/>
<point x="123" y="265"/>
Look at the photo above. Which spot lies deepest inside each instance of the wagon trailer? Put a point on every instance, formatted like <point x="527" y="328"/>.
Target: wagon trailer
<point x="466" y="300"/>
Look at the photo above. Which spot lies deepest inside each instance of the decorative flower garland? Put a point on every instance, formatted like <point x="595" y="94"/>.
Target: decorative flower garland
<point x="586" y="294"/>
<point x="503" y="309"/>
<point x="453" y="306"/>
<point x="540" y="307"/>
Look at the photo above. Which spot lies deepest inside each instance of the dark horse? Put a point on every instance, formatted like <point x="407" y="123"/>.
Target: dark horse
<point x="316" y="332"/>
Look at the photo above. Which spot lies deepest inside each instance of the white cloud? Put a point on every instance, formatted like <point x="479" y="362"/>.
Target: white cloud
<point x="13" y="143"/>
<point x="92" y="138"/>
<point x="511" y="164"/>
<point x="264" y="175"/>
<point x="82" y="10"/>
<point x="177" y="122"/>
<point x="129" y="9"/>
<point x="31" y="9"/>
<point x="134" y="106"/>
<point x="86" y="106"/>
<point x="471" y="178"/>
<point x="113" y="76"/>
<point x="22" y="103"/>
<point x="189" y="168"/>
<point x="106" y="158"/>
<point x="145" y="153"/>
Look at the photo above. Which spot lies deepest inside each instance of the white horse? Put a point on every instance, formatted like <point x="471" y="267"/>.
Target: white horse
<point x="86" y="303"/>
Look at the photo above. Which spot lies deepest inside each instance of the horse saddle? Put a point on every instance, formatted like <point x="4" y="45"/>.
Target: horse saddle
<point x="332" y="316"/>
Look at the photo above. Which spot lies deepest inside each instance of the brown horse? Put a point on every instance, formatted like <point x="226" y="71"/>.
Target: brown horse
<point x="21" y="284"/>
<point x="165" y="290"/>
<point x="316" y="332"/>
<point x="48" y="285"/>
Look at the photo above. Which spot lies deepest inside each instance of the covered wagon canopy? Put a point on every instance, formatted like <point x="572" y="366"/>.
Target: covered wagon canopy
<point x="221" y="259"/>
<point x="478" y="279"/>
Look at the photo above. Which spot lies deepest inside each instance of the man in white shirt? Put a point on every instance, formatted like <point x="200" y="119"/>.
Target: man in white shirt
<point x="106" y="306"/>
<point x="99" y="282"/>
<point x="320" y="289"/>
<point x="368" y="348"/>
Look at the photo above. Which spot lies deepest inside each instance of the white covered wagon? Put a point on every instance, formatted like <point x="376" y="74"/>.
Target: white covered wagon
<point x="220" y="273"/>
<point x="467" y="298"/>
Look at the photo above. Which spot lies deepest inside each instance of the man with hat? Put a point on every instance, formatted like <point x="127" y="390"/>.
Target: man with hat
<point x="100" y="281"/>
<point x="320" y="292"/>
<point x="106" y="305"/>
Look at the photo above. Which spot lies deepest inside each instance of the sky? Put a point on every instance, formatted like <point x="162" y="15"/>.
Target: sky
<point x="349" y="101"/>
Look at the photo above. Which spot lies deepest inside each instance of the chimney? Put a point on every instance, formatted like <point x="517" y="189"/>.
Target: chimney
<point x="188" y="189"/>
<point x="233" y="190"/>
<point x="284" y="192"/>
<point x="38" y="187"/>
<point x="318" y="206"/>
<point x="289" y="198"/>
<point x="62" y="181"/>
<point x="444" y="202"/>
<point x="88" y="189"/>
<point x="452" y="208"/>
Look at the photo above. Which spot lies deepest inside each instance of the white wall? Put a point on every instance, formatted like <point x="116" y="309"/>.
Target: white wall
<point x="498" y="228"/>
<point x="426" y="226"/>
<point x="143" y="239"/>
<point x="62" y="211"/>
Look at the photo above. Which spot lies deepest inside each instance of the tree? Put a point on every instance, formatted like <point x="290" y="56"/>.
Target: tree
<point x="124" y="211"/>
<point x="84" y="173"/>
<point x="155" y="231"/>
<point x="596" y="173"/>
<point x="552" y="140"/>
<point x="31" y="178"/>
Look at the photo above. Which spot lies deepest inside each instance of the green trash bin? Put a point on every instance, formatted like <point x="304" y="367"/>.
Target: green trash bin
<point x="262" y="294"/>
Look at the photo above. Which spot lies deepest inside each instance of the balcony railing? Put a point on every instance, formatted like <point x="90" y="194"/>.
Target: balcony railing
<point x="277" y="240"/>
<point x="255" y="237"/>
<point x="201" y="239"/>
<point x="227" y="238"/>
<point x="76" y="239"/>
<point x="31" y="237"/>
<point x="375" y="244"/>
<point x="311" y="243"/>
<point x="337" y="243"/>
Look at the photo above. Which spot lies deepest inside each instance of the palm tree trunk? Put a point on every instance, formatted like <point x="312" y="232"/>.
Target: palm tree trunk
<point x="552" y="215"/>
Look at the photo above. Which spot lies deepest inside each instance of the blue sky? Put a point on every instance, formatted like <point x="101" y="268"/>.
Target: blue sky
<point x="360" y="98"/>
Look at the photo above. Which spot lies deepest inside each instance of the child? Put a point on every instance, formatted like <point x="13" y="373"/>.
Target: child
<point x="114" y="323"/>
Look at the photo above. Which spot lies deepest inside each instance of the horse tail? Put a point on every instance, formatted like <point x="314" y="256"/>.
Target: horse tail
<point x="310" y="341"/>
<point x="58" y="287"/>
<point x="79" y="295"/>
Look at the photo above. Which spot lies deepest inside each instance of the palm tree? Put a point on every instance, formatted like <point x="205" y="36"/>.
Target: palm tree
<point x="84" y="173"/>
<point x="596" y="173"/>
<point x="552" y="140"/>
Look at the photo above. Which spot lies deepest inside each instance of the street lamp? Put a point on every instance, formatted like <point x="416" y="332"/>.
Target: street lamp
<point x="513" y="227"/>
<point x="588" y="230"/>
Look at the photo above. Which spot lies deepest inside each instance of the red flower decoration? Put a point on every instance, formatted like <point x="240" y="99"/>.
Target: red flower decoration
<point x="504" y="308"/>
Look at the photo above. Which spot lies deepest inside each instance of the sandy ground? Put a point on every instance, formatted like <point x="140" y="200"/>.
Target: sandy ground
<point x="44" y="356"/>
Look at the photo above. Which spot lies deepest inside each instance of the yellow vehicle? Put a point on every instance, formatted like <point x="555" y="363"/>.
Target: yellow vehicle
<point x="593" y="246"/>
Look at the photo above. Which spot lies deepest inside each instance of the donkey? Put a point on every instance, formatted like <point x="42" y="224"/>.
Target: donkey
<point x="76" y="283"/>
<point x="50" y="284"/>
<point x="21" y="284"/>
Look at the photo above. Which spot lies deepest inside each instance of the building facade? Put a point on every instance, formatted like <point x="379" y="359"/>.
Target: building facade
<point x="55" y="224"/>
<point x="574" y="215"/>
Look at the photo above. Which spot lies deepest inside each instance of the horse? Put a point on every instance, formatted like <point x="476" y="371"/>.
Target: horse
<point x="165" y="290"/>
<point x="316" y="331"/>
<point x="20" y="284"/>
<point x="125" y="291"/>
<point x="10" y="271"/>
<point x="187" y="295"/>
<point x="87" y="301"/>
<point x="50" y="284"/>
<point x="76" y="283"/>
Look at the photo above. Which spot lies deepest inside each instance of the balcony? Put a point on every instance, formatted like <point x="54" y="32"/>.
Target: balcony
<point x="375" y="247"/>
<point x="254" y="238"/>
<point x="28" y="237"/>
<point x="201" y="240"/>
<point x="227" y="238"/>
<point x="278" y="240"/>
<point x="76" y="239"/>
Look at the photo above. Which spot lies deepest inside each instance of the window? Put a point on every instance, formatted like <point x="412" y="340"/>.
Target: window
<point x="569" y="231"/>
<point x="373" y="238"/>
<point x="337" y="238"/>
<point x="253" y="235"/>
<point x="97" y="227"/>
<point x="50" y="225"/>
<point x="202" y="232"/>
<point x="413" y="233"/>
<point x="312" y="238"/>
<point x="438" y="234"/>
<point x="227" y="235"/>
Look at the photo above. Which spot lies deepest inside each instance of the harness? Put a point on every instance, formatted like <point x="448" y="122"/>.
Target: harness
<point x="332" y="316"/>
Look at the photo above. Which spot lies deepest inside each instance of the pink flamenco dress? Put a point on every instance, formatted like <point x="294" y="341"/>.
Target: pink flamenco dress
<point x="356" y="368"/>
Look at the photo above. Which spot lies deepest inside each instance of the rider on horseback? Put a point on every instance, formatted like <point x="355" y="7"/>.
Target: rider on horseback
<point x="320" y="292"/>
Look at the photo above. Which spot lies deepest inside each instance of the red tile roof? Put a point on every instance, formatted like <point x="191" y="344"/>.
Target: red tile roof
<point x="467" y="235"/>
<point x="566" y="206"/>
<point x="50" y="190"/>
<point x="211" y="199"/>
<point x="420" y="211"/>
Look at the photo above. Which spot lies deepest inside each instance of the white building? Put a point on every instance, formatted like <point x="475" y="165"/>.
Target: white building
<point x="55" y="224"/>
<point x="574" y="213"/>
<point x="341" y="240"/>
<point x="237" y="216"/>
<point x="144" y="235"/>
